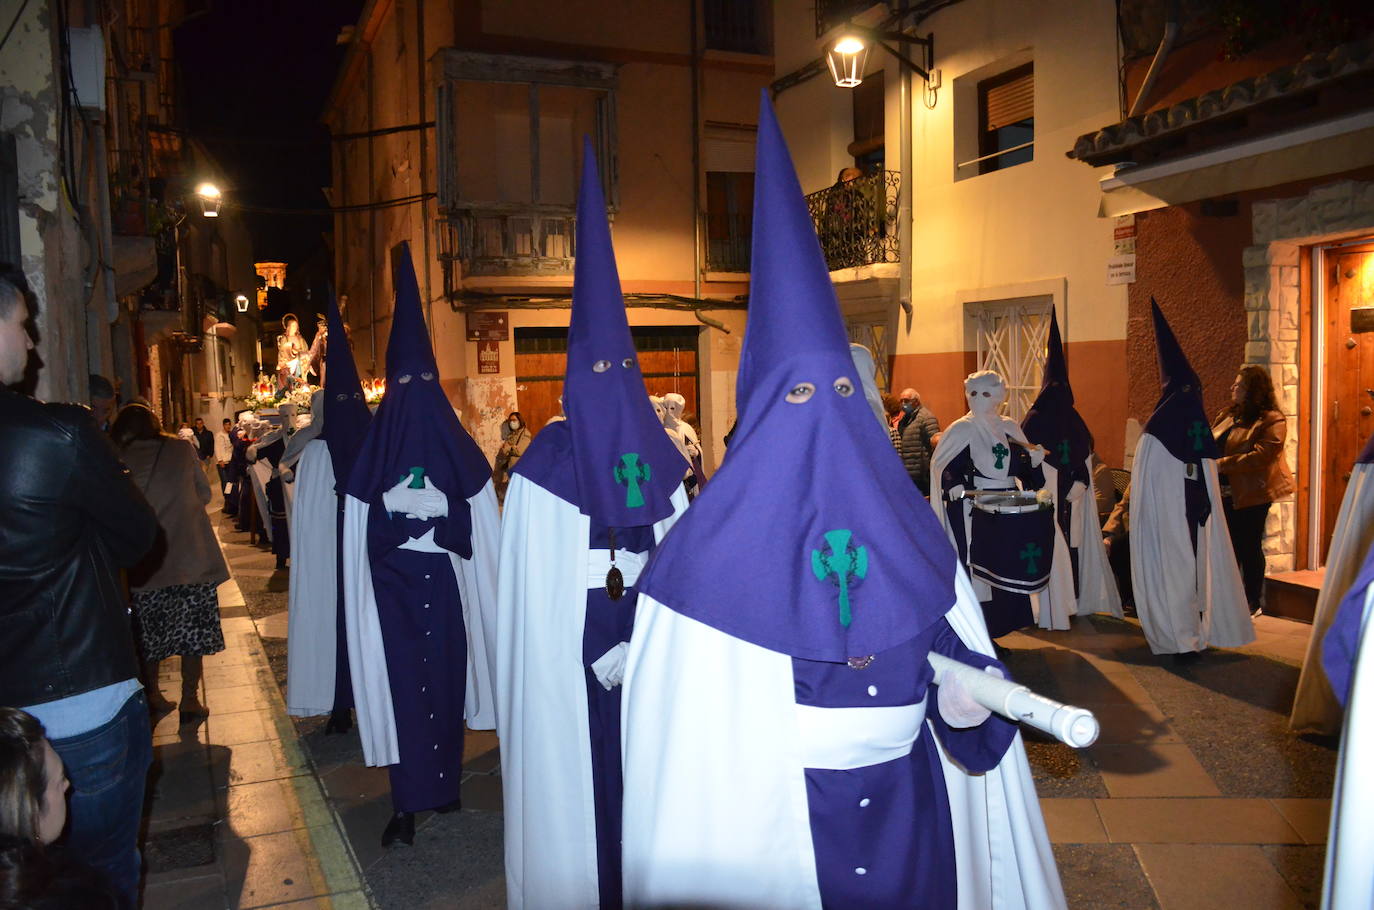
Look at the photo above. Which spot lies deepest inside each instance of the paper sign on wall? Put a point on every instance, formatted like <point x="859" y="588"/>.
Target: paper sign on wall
<point x="1121" y="267"/>
<point x="488" y="357"/>
<point x="1121" y="270"/>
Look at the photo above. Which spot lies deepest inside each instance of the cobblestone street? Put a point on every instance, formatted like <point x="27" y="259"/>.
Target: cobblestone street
<point x="1194" y="797"/>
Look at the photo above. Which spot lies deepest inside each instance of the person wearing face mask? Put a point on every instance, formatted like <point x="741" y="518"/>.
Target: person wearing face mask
<point x="1010" y="553"/>
<point x="515" y="439"/>
<point x="919" y="434"/>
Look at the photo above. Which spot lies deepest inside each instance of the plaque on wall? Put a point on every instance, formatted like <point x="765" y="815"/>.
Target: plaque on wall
<point x="1362" y="319"/>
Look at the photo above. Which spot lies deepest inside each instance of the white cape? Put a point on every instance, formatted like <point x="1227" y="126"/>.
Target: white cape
<point x="727" y="826"/>
<point x="367" y="659"/>
<point x="1350" y="839"/>
<point x="1314" y="706"/>
<point x="1097" y="591"/>
<point x="546" y="770"/>
<point x="1055" y="603"/>
<point x="312" y="604"/>
<point x="1185" y="601"/>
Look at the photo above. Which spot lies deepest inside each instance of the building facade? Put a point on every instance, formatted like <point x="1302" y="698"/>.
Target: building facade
<point x="458" y="126"/>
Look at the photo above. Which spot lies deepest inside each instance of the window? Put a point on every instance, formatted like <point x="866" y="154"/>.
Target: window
<point x="1011" y="340"/>
<point x="869" y="123"/>
<point x="1006" y="119"/>
<point x="729" y="220"/>
<point x="741" y="26"/>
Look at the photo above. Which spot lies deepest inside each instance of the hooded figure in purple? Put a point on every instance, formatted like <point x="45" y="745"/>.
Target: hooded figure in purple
<point x="780" y="741"/>
<point x="317" y="678"/>
<point x="1054" y="424"/>
<point x="1348" y="660"/>
<point x="1314" y="705"/>
<point x="421" y="530"/>
<point x="590" y="498"/>
<point x="1188" y="590"/>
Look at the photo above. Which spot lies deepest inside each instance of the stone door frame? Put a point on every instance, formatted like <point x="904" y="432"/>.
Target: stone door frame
<point x="1343" y="210"/>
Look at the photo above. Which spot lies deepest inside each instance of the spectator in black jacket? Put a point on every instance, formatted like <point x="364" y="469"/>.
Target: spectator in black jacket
<point x="918" y="431"/>
<point x="72" y="517"/>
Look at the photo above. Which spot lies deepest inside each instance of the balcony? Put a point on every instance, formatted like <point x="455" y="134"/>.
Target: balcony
<point x="510" y="240"/>
<point x="856" y="221"/>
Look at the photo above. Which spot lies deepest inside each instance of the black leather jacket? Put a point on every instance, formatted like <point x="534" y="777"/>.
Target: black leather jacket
<point x="70" y="517"/>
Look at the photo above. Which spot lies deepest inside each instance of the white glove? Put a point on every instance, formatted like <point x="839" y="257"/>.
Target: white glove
<point x="610" y="667"/>
<point x="957" y="706"/>
<point x="1037" y="455"/>
<point x="426" y="504"/>
<point x="956" y="492"/>
<point x="288" y="475"/>
<point x="1076" y="491"/>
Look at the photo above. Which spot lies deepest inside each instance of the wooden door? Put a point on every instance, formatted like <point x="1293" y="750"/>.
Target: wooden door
<point x="1349" y="417"/>
<point x="667" y="357"/>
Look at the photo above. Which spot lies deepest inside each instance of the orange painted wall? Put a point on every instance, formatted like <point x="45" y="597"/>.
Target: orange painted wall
<point x="1097" y="371"/>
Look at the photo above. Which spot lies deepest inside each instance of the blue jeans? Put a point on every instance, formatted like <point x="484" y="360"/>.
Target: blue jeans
<point x="108" y="770"/>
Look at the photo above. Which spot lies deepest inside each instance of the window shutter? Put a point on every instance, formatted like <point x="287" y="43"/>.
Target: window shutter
<point x="1011" y="101"/>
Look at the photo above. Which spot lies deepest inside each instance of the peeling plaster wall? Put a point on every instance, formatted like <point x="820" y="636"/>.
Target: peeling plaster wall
<point x="50" y="243"/>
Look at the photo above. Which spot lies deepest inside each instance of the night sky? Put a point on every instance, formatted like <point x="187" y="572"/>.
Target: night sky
<point x="254" y="78"/>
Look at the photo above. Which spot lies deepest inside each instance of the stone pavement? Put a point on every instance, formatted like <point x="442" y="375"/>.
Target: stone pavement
<point x="1194" y="797"/>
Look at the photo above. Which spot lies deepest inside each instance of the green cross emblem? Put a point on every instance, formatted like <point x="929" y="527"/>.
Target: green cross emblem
<point x="630" y="473"/>
<point x="844" y="565"/>
<point x="999" y="452"/>
<point x="1196" y="432"/>
<point x="1063" y="451"/>
<point x="1030" y="553"/>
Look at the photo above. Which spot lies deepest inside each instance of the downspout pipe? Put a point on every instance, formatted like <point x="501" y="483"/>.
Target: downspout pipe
<point x="906" y="225"/>
<point x="696" y="155"/>
<point x="1166" y="45"/>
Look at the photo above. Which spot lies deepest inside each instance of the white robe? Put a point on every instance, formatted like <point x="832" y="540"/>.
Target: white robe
<point x="1349" y="882"/>
<point x="1097" y="591"/>
<point x="312" y="603"/>
<point x="1055" y="603"/>
<point x="1314" y="705"/>
<point x="1185" y="601"/>
<point x="366" y="656"/>
<point x="546" y="769"/>
<point x="727" y="825"/>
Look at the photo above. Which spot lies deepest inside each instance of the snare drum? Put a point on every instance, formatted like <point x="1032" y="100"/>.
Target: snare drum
<point x="1012" y="541"/>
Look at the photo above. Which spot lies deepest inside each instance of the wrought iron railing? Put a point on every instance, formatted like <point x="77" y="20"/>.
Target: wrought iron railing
<point x="737" y="25"/>
<point x="727" y="242"/>
<point x="511" y="240"/>
<point x="856" y="221"/>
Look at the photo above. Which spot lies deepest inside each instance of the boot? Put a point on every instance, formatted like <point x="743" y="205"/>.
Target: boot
<point x="400" y="828"/>
<point x="340" y="721"/>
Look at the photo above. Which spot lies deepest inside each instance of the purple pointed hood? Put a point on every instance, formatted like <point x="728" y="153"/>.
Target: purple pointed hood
<point x="625" y="467"/>
<point x="1052" y="421"/>
<point x="416" y="426"/>
<point x="346" y="416"/>
<point x="811" y="539"/>
<point x="1179" y="420"/>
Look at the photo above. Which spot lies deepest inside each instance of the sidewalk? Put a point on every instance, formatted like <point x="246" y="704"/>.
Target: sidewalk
<point x="236" y="817"/>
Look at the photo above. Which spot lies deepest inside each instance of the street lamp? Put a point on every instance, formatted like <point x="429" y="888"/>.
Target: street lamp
<point x="847" y="58"/>
<point x="210" y="199"/>
<point x="241" y="302"/>
<point x="848" y="54"/>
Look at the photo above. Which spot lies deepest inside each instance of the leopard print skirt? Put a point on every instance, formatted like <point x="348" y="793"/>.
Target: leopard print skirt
<point x="178" y="619"/>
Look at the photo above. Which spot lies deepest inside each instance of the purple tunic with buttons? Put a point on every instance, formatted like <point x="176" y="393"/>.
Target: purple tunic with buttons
<point x="868" y="851"/>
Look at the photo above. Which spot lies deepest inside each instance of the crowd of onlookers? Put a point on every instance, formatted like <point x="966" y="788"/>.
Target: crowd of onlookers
<point x="108" y="566"/>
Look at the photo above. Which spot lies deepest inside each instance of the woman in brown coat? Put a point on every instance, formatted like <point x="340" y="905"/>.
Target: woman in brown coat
<point x="175" y="602"/>
<point x="1250" y="434"/>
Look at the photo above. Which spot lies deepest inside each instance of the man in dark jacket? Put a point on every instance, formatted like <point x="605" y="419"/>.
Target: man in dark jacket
<point x="72" y="517"/>
<point x="919" y="431"/>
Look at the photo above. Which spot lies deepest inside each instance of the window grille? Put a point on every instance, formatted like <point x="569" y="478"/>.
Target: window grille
<point x="1011" y="341"/>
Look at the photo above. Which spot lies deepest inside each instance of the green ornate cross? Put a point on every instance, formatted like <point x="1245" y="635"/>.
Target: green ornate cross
<point x="630" y="473"/>
<point x="1030" y="553"/>
<point x="843" y="565"/>
<point x="1063" y="451"/>
<point x="1197" y="432"/>
<point x="999" y="452"/>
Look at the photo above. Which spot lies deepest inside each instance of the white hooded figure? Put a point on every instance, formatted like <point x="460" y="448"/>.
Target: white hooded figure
<point x="674" y="406"/>
<point x="1017" y="559"/>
